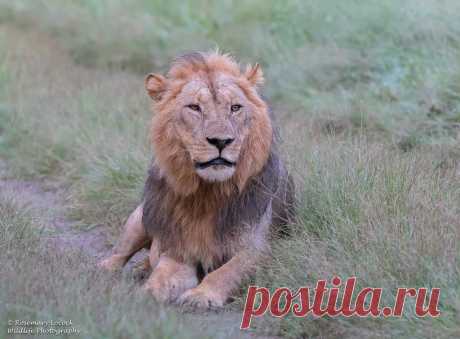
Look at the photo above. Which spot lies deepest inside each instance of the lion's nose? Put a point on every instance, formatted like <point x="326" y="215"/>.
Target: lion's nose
<point x="220" y="143"/>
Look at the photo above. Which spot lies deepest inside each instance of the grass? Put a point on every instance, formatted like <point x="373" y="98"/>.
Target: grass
<point x="394" y="64"/>
<point x="387" y="218"/>
<point x="367" y="98"/>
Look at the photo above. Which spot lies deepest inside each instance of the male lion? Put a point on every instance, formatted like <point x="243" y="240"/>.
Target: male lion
<point x="216" y="190"/>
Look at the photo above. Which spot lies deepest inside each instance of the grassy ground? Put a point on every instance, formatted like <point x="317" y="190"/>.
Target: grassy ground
<point x="368" y="100"/>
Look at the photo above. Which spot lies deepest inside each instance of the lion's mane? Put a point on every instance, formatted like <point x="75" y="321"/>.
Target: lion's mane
<point x="197" y="220"/>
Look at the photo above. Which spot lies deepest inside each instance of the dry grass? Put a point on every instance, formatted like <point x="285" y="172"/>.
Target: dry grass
<point x="367" y="97"/>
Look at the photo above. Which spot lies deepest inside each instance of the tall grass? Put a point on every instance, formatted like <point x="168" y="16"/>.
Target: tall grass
<point x="389" y="219"/>
<point x="387" y="64"/>
<point x="63" y="130"/>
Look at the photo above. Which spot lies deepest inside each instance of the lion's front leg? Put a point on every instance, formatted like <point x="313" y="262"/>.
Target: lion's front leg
<point x="133" y="239"/>
<point x="217" y="287"/>
<point x="170" y="279"/>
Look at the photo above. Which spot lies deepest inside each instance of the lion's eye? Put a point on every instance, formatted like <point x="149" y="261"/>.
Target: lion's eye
<point x="194" y="107"/>
<point x="235" y="108"/>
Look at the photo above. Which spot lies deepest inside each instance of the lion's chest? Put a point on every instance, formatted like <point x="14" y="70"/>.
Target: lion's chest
<point x="195" y="228"/>
<point x="198" y="241"/>
<point x="186" y="229"/>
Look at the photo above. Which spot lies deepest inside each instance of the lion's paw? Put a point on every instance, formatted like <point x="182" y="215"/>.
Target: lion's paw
<point x="112" y="264"/>
<point x="201" y="298"/>
<point x="168" y="290"/>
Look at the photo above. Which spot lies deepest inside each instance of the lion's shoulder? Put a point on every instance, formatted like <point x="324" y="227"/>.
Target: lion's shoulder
<point x="271" y="186"/>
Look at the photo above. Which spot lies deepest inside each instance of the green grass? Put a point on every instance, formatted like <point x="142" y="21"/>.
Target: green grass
<point x="382" y="216"/>
<point x="367" y="97"/>
<point x="393" y="64"/>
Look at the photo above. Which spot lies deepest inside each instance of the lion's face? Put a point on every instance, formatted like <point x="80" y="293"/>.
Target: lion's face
<point x="212" y="124"/>
<point x="208" y="114"/>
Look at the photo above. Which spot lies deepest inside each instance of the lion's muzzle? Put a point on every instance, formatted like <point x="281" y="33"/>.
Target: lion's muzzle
<point x="215" y="162"/>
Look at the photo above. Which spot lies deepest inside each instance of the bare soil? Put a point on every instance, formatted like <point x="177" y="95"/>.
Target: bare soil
<point x="46" y="201"/>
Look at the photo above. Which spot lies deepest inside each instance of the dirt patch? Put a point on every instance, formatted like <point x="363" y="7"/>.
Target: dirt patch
<point x="45" y="205"/>
<point x="45" y="201"/>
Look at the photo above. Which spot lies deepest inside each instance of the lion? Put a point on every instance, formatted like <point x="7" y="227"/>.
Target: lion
<point x="217" y="192"/>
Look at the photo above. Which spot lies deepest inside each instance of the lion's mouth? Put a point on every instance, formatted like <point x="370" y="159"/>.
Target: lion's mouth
<point x="214" y="162"/>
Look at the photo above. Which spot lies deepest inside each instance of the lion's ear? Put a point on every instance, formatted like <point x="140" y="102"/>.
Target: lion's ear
<point x="254" y="74"/>
<point x="155" y="84"/>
